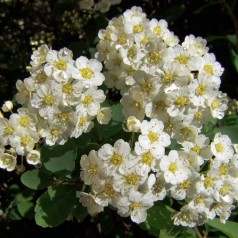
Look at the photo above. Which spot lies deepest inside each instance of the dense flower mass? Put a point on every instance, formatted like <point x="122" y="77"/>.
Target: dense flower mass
<point x="169" y="90"/>
<point x="59" y="101"/>
<point x="158" y="77"/>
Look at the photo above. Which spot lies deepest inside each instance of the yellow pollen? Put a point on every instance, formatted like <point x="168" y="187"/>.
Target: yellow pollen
<point x="209" y="69"/>
<point x="146" y="87"/>
<point x="173" y="167"/>
<point x="55" y="132"/>
<point x="185" y="184"/>
<point x="87" y="100"/>
<point x="41" y="77"/>
<point x="132" y="179"/>
<point x="160" y="105"/>
<point x="154" y="57"/>
<point x="135" y="206"/>
<point x="108" y="190"/>
<point x="33" y="157"/>
<point x="144" y="41"/>
<point x="87" y="73"/>
<point x="138" y="28"/>
<point x="168" y="78"/>
<point x="117" y="61"/>
<point x="182" y="59"/>
<point x="199" y="200"/>
<point x="107" y="37"/>
<point x="215" y="206"/>
<point x="157" y="184"/>
<point x="224" y="189"/>
<point x="64" y="116"/>
<point x="197" y="149"/>
<point x="215" y="104"/>
<point x="157" y="30"/>
<point x="82" y="121"/>
<point x="121" y="40"/>
<point x="223" y="169"/>
<point x="198" y="115"/>
<point x="7" y="160"/>
<point x="153" y="136"/>
<point x="131" y="71"/>
<point x="181" y="101"/>
<point x="93" y="170"/>
<point x="219" y="147"/>
<point x="9" y="130"/>
<point x="208" y="181"/>
<point x="116" y="159"/>
<point x="24" y="121"/>
<point x="61" y="65"/>
<point x="147" y="158"/>
<point x="48" y="100"/>
<point x="25" y="140"/>
<point x="67" y="88"/>
<point x="185" y="131"/>
<point x="201" y="90"/>
<point x="131" y="53"/>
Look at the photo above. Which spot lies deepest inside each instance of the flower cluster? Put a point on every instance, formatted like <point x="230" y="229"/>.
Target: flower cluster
<point x="102" y="5"/>
<point x="132" y="180"/>
<point x="59" y="100"/>
<point x="158" y="77"/>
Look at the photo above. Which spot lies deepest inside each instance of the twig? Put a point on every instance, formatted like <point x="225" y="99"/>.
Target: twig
<point x="199" y="235"/>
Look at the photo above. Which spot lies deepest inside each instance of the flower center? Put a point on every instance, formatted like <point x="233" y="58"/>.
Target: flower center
<point x="138" y="28"/>
<point x="61" y="65"/>
<point x="132" y="179"/>
<point x="25" y="140"/>
<point x="147" y="158"/>
<point x="201" y="90"/>
<point x="182" y="59"/>
<point x="209" y="69"/>
<point x="9" y="130"/>
<point x="223" y="169"/>
<point x="87" y="73"/>
<point x="48" y="100"/>
<point x="208" y="181"/>
<point x="93" y="170"/>
<point x="173" y="167"/>
<point x="154" y="57"/>
<point x="157" y="30"/>
<point x="67" y="88"/>
<point x="219" y="147"/>
<point x="24" y="121"/>
<point x="181" y="101"/>
<point x="116" y="159"/>
<point x="87" y="100"/>
<point x="153" y="136"/>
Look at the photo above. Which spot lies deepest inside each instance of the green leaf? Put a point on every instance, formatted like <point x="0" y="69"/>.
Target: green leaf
<point x="24" y="208"/>
<point x="79" y="211"/>
<point x="158" y="218"/>
<point x="231" y="131"/>
<point x="36" y="179"/>
<point x="114" y="126"/>
<point x="54" y="206"/>
<point x="229" y="228"/>
<point x="234" y="58"/>
<point x="59" y="159"/>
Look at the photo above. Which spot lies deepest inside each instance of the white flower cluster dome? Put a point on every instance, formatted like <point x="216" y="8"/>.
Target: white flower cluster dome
<point x="59" y="100"/>
<point x="158" y="77"/>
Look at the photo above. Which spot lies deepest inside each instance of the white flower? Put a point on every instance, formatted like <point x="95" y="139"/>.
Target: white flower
<point x="133" y="124"/>
<point x="175" y="167"/>
<point x="7" y="161"/>
<point x="33" y="157"/>
<point x="88" y="71"/>
<point x="59" y="64"/>
<point x="38" y="57"/>
<point x="88" y="201"/>
<point x="114" y="157"/>
<point x="7" y="106"/>
<point x="152" y="136"/>
<point x="197" y="46"/>
<point x="221" y="147"/>
<point x="133" y="104"/>
<point x="90" y="101"/>
<point x="135" y="206"/>
<point x="90" y="166"/>
<point x="104" y="115"/>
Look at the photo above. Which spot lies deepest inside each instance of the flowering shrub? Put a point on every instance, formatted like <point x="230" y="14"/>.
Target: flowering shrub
<point x="155" y="154"/>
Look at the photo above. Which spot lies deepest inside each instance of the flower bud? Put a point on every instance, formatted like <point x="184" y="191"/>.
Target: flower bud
<point x="133" y="124"/>
<point x="7" y="106"/>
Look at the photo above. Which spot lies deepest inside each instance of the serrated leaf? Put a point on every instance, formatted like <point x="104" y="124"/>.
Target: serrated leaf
<point x="36" y="179"/>
<point x="54" y="206"/>
<point x="59" y="159"/>
<point x="229" y="228"/>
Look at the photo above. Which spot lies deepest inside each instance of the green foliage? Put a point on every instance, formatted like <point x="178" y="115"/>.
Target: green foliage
<point x="59" y="159"/>
<point x="229" y="228"/>
<point x="55" y="205"/>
